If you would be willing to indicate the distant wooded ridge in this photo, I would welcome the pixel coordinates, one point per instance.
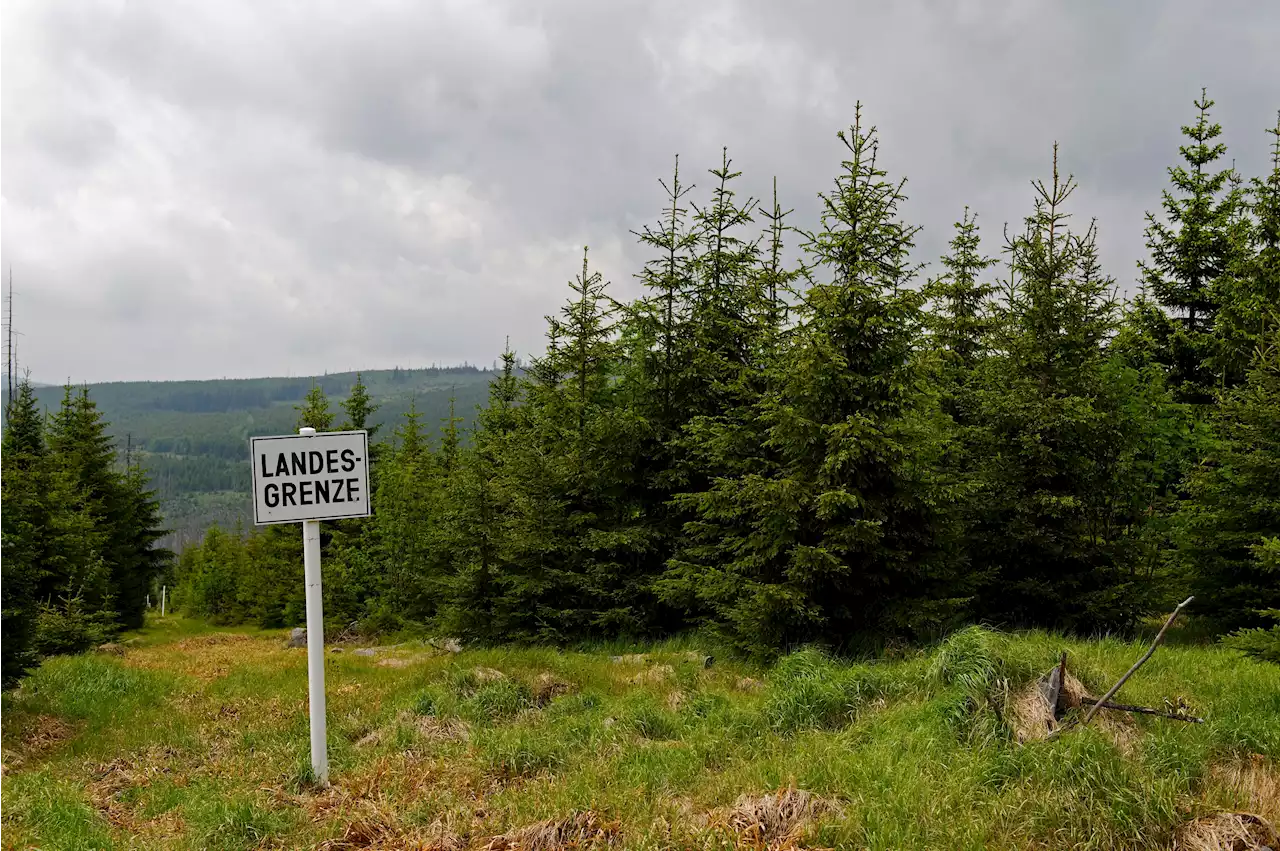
(192, 436)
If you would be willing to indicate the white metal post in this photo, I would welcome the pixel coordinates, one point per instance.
(315, 643)
(164, 598)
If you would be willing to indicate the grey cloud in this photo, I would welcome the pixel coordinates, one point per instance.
(269, 187)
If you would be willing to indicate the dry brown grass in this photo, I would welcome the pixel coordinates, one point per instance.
(487, 675)
(42, 734)
(547, 687)
(211, 657)
(1253, 783)
(1030, 715)
(373, 824)
(654, 675)
(429, 727)
(110, 781)
(45, 733)
(579, 830)
(1032, 719)
(778, 820)
(1227, 832)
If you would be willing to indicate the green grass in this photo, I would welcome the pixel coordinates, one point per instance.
(197, 737)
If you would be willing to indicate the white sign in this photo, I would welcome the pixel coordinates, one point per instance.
(321, 476)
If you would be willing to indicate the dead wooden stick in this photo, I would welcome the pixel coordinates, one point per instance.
(1062, 684)
(1136, 665)
(1124, 707)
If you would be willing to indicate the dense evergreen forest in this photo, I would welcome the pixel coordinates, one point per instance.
(80, 527)
(838, 450)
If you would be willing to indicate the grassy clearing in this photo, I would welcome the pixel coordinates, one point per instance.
(195, 738)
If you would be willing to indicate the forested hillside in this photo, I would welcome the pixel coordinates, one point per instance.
(843, 450)
(192, 437)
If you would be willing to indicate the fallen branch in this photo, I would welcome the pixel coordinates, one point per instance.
(1124, 707)
(1093, 710)
(1138, 664)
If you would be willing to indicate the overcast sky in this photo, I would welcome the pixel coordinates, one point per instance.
(224, 188)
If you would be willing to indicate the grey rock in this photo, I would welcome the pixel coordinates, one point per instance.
(366, 651)
(297, 637)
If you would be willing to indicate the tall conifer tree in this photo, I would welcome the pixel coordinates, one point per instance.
(1194, 248)
(834, 531)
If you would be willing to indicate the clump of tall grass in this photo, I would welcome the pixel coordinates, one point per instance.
(967, 669)
(234, 823)
(967, 658)
(495, 701)
(643, 714)
(94, 688)
(476, 695)
(519, 751)
(809, 690)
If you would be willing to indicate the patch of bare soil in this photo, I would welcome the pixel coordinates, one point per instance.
(580, 830)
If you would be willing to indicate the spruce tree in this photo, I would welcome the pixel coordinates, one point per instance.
(831, 531)
(407, 505)
(314, 411)
(123, 512)
(1193, 251)
(23, 515)
(450, 440)
(23, 428)
(721, 314)
(657, 322)
(1252, 289)
(344, 535)
(959, 321)
(1234, 505)
(1061, 439)
(141, 528)
(360, 408)
(476, 516)
(20, 572)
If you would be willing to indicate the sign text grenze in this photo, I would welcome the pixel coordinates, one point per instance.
(323, 476)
